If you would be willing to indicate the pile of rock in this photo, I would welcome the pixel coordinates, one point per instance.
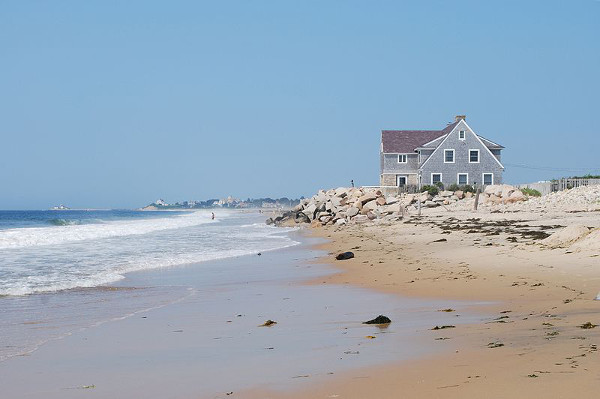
(586, 198)
(502, 194)
(341, 205)
(442, 198)
(359, 205)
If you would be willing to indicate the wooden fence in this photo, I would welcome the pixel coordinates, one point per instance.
(565, 184)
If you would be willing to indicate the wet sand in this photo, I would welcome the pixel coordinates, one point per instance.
(532, 345)
(209, 344)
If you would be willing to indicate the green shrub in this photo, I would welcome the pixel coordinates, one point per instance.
(432, 190)
(465, 188)
(440, 185)
(531, 192)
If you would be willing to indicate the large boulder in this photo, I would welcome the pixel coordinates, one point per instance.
(340, 222)
(367, 198)
(516, 196)
(321, 214)
(507, 190)
(446, 193)
(390, 200)
(309, 211)
(325, 218)
(424, 197)
(369, 206)
(341, 192)
(459, 194)
(491, 189)
(338, 201)
(301, 218)
(352, 211)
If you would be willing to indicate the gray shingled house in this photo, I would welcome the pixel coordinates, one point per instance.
(455, 154)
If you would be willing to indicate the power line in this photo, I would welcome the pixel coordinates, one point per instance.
(552, 169)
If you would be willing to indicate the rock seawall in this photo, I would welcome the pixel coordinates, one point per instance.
(362, 205)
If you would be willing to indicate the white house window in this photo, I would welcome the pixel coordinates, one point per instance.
(436, 178)
(400, 180)
(473, 156)
(461, 135)
(402, 158)
(488, 179)
(463, 178)
(448, 156)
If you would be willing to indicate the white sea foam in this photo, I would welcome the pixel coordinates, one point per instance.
(69, 232)
(47, 259)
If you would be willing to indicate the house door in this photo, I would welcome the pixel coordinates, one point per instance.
(401, 181)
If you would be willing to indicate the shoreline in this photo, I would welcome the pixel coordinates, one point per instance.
(532, 346)
(214, 332)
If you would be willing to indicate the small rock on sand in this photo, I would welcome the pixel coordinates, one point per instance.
(381, 319)
(345, 255)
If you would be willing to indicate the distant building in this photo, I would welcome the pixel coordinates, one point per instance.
(453, 155)
(161, 202)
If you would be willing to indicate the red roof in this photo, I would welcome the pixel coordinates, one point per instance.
(406, 141)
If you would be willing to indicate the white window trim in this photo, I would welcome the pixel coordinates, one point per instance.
(458, 178)
(441, 181)
(405, 158)
(453, 155)
(478, 155)
(483, 178)
(464, 132)
(405, 179)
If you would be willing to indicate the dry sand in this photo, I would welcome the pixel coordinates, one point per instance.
(533, 347)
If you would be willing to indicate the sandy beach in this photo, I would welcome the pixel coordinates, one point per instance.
(207, 340)
(533, 345)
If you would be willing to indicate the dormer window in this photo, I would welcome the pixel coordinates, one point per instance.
(402, 158)
(461, 135)
(448, 156)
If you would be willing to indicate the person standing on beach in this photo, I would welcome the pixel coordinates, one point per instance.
(212, 216)
(352, 182)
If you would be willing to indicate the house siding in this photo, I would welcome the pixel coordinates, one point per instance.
(391, 165)
(425, 154)
(487, 162)
(497, 154)
(389, 179)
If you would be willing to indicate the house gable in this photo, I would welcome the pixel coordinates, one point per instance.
(487, 162)
(462, 125)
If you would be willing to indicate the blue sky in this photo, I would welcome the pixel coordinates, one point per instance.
(115, 104)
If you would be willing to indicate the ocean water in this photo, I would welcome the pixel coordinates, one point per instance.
(49, 251)
(61, 270)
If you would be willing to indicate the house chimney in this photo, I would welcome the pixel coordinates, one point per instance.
(459, 118)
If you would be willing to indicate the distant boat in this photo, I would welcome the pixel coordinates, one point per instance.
(61, 207)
